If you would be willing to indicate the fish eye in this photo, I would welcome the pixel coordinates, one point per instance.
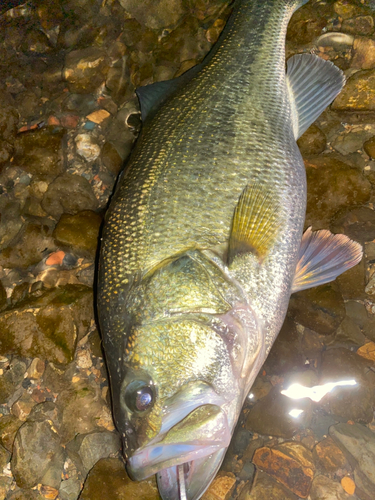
(139, 396)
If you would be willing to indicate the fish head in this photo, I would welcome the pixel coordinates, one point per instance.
(193, 349)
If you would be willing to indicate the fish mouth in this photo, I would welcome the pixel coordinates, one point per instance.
(203, 434)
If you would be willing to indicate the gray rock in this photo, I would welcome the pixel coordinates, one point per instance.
(357, 223)
(70, 489)
(70, 194)
(356, 311)
(38, 456)
(29, 248)
(365, 489)
(358, 443)
(94, 446)
(324, 488)
(11, 379)
(350, 142)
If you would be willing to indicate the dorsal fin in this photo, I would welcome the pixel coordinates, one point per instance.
(312, 84)
(322, 257)
(255, 222)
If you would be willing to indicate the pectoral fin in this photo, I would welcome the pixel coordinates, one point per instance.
(255, 223)
(312, 84)
(322, 257)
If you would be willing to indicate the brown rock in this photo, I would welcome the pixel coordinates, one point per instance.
(357, 223)
(329, 455)
(361, 25)
(86, 69)
(79, 231)
(266, 488)
(367, 351)
(320, 309)
(312, 142)
(358, 93)
(364, 53)
(332, 185)
(155, 14)
(369, 147)
(292, 474)
(221, 487)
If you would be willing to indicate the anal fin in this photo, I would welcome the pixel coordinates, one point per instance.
(255, 223)
(322, 257)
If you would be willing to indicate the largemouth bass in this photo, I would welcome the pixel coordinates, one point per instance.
(202, 245)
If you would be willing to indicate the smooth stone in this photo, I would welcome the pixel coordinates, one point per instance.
(22, 494)
(358, 93)
(345, 9)
(329, 456)
(291, 464)
(29, 248)
(95, 446)
(111, 159)
(156, 14)
(109, 475)
(357, 223)
(323, 488)
(270, 416)
(70, 194)
(36, 451)
(347, 402)
(369, 147)
(365, 489)
(312, 142)
(320, 309)
(40, 152)
(80, 231)
(332, 185)
(265, 488)
(86, 69)
(48, 326)
(358, 444)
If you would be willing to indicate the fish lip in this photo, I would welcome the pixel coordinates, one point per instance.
(183, 443)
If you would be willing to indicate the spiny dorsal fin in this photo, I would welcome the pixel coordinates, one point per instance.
(322, 257)
(312, 83)
(255, 223)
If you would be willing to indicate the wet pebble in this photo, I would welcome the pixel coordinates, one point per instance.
(79, 232)
(221, 487)
(156, 14)
(312, 142)
(87, 147)
(323, 488)
(363, 57)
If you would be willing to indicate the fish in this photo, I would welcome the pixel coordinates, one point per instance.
(203, 245)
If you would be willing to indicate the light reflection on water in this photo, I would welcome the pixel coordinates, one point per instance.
(316, 393)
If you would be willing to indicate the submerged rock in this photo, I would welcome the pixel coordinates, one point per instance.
(79, 231)
(324, 488)
(109, 475)
(358, 93)
(48, 326)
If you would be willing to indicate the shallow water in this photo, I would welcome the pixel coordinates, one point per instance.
(68, 119)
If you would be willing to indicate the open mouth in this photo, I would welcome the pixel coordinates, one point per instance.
(203, 432)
